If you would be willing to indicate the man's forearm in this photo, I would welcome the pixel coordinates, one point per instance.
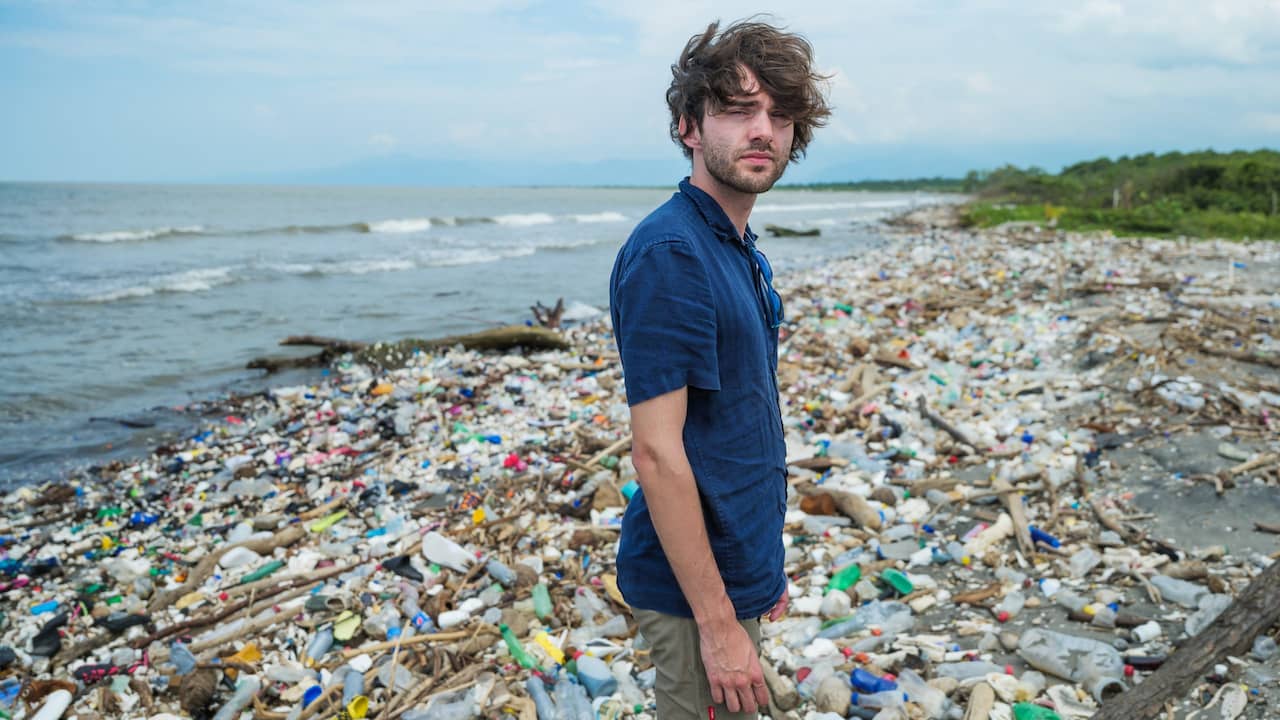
(672, 495)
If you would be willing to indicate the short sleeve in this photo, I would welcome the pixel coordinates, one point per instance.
(665, 322)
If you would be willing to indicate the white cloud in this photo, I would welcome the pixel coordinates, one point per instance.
(382, 142)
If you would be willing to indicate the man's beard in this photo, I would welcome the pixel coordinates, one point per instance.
(722, 165)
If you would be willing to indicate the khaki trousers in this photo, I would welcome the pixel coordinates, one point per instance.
(682, 690)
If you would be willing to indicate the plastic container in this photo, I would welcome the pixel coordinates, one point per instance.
(502, 574)
(865, 682)
(845, 577)
(541, 700)
(1094, 664)
(930, 699)
(55, 704)
(572, 700)
(517, 650)
(352, 685)
(237, 556)
(1186, 594)
(1211, 606)
(319, 645)
(245, 690)
(541, 601)
(1030, 711)
(594, 675)
(181, 658)
(443, 551)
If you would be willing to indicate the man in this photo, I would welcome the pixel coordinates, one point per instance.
(696, 320)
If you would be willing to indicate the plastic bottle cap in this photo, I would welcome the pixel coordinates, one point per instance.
(1003, 616)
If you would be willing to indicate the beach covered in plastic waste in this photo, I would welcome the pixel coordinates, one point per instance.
(1032, 475)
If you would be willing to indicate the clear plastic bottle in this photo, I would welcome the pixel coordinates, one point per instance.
(319, 645)
(181, 658)
(1211, 606)
(930, 699)
(547, 709)
(1010, 605)
(1186, 594)
(1094, 664)
(572, 700)
(245, 690)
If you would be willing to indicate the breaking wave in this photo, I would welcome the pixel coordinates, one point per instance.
(115, 236)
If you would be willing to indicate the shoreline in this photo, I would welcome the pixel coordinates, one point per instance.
(1072, 367)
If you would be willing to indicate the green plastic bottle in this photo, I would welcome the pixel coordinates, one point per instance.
(541, 601)
(262, 572)
(896, 580)
(1031, 711)
(517, 650)
(845, 577)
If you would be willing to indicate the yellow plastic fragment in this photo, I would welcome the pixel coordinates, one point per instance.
(325, 523)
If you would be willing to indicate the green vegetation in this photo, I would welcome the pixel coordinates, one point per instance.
(933, 184)
(1204, 194)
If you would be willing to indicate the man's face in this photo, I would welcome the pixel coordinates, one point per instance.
(745, 144)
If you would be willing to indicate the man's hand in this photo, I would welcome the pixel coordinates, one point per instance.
(733, 668)
(780, 608)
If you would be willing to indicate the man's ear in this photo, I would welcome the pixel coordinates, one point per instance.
(689, 133)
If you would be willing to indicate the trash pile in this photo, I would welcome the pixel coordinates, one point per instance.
(437, 540)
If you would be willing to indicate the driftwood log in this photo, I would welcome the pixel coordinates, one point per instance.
(780, 231)
(393, 355)
(1253, 612)
(548, 317)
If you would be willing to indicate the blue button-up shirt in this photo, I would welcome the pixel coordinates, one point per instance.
(690, 308)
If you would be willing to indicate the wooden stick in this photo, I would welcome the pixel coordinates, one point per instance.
(415, 640)
(209, 563)
(1260, 461)
(933, 417)
(615, 447)
(1017, 513)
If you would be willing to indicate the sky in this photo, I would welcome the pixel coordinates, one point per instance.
(511, 91)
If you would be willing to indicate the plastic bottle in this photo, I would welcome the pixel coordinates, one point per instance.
(594, 675)
(845, 577)
(1211, 606)
(181, 658)
(55, 704)
(352, 685)
(930, 699)
(818, 672)
(572, 700)
(44, 607)
(967, 669)
(541, 601)
(1264, 648)
(1094, 664)
(1186, 594)
(885, 699)
(501, 573)
(865, 682)
(1010, 606)
(517, 650)
(628, 690)
(890, 615)
(547, 709)
(237, 556)
(1031, 711)
(319, 645)
(245, 690)
(443, 551)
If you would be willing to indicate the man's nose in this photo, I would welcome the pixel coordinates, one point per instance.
(761, 127)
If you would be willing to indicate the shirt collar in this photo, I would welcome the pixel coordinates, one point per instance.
(714, 215)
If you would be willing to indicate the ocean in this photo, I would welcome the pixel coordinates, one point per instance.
(123, 308)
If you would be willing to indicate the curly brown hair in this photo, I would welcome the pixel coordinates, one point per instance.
(709, 74)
